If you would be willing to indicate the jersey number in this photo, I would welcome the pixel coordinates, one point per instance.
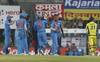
(20, 25)
(92, 27)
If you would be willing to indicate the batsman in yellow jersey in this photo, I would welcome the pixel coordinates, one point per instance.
(91, 29)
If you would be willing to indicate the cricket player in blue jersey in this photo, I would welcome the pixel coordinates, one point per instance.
(7, 32)
(39, 26)
(55, 31)
(21, 37)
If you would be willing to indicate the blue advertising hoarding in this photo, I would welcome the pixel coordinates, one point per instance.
(82, 4)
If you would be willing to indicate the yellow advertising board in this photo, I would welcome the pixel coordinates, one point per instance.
(84, 14)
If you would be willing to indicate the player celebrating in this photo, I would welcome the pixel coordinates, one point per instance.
(21, 37)
(55, 30)
(91, 28)
(39, 26)
(7, 31)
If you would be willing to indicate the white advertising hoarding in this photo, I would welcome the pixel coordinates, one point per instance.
(9, 10)
(74, 31)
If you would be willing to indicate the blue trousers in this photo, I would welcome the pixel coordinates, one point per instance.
(42, 40)
(6, 41)
(16, 36)
(54, 36)
(21, 41)
(75, 53)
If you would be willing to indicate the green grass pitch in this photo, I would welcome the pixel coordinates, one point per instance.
(11, 58)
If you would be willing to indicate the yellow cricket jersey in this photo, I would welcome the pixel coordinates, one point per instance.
(91, 28)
